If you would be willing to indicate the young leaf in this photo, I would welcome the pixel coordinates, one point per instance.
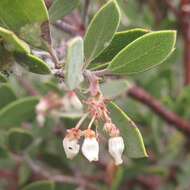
(12, 42)
(18, 111)
(61, 8)
(120, 40)
(2, 78)
(18, 139)
(132, 137)
(32, 63)
(75, 62)
(40, 185)
(101, 30)
(144, 53)
(114, 88)
(6, 95)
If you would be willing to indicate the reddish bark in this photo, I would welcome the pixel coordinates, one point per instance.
(184, 20)
(171, 118)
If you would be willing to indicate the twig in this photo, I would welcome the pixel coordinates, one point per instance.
(6, 174)
(69, 29)
(27, 86)
(170, 117)
(184, 20)
(145, 98)
(48, 3)
(172, 7)
(104, 72)
(37, 169)
(85, 11)
(54, 57)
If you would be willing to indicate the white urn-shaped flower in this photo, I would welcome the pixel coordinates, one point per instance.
(71, 147)
(116, 148)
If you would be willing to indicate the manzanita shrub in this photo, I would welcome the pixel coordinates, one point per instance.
(76, 101)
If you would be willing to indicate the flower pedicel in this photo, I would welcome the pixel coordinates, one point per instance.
(97, 110)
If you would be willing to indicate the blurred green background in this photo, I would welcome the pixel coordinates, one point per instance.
(168, 164)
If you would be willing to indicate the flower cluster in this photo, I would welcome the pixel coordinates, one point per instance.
(90, 148)
(52, 103)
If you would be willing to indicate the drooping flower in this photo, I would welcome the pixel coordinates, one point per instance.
(71, 147)
(47, 105)
(90, 147)
(116, 148)
(71, 144)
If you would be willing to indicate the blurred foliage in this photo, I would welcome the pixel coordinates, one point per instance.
(168, 164)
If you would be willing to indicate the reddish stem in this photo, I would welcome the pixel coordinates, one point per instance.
(185, 27)
(172, 118)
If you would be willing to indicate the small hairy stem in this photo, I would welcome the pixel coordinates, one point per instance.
(67, 28)
(155, 105)
(81, 120)
(104, 72)
(27, 86)
(85, 11)
(91, 122)
(93, 79)
(54, 57)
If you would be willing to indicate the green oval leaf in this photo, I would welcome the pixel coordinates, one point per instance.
(61, 8)
(114, 88)
(132, 137)
(18, 111)
(120, 40)
(32, 63)
(16, 14)
(12, 42)
(101, 30)
(28, 19)
(6, 95)
(75, 62)
(40, 185)
(144, 53)
(18, 139)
